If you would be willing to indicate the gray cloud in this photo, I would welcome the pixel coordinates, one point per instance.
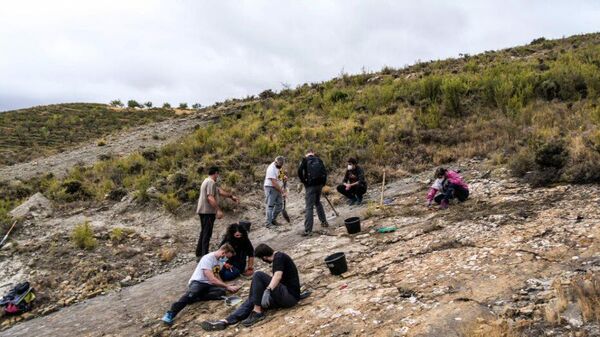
(200, 51)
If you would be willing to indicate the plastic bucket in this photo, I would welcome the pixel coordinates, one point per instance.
(337, 263)
(246, 225)
(352, 225)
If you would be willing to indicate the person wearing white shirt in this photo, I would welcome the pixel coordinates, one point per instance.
(274, 191)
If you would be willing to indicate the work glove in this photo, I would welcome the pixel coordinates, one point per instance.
(266, 299)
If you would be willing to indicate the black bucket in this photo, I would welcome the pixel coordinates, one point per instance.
(337, 263)
(352, 225)
(246, 225)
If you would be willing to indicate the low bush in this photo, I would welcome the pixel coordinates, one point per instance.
(83, 236)
(116, 234)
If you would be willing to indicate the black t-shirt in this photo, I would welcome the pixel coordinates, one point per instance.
(243, 250)
(282, 262)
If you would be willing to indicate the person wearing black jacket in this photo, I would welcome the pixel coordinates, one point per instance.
(282, 290)
(243, 261)
(354, 185)
(313, 175)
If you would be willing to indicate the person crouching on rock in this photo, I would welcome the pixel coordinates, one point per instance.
(266, 292)
(243, 261)
(354, 185)
(450, 185)
(204, 285)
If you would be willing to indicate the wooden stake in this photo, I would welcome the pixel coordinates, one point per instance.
(382, 188)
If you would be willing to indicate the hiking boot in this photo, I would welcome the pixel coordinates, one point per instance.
(351, 201)
(444, 204)
(168, 318)
(213, 325)
(306, 233)
(324, 224)
(253, 318)
(275, 223)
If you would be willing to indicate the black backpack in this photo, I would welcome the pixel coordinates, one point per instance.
(316, 173)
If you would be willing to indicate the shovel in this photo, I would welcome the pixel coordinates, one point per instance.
(331, 205)
(7, 233)
(284, 212)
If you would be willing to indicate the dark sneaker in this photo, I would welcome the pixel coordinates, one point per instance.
(275, 223)
(213, 325)
(324, 224)
(306, 233)
(253, 318)
(168, 318)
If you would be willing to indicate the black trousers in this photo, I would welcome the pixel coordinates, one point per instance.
(451, 192)
(355, 192)
(280, 297)
(207, 221)
(197, 291)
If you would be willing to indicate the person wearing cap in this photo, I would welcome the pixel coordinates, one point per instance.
(274, 191)
(354, 185)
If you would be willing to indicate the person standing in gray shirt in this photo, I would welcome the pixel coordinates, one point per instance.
(208, 209)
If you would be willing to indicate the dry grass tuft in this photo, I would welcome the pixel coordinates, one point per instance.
(167, 254)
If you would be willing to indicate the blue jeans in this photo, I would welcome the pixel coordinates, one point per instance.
(229, 274)
(274, 202)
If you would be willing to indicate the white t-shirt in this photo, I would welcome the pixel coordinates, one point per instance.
(272, 172)
(207, 262)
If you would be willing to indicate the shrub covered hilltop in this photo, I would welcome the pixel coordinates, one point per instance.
(533, 107)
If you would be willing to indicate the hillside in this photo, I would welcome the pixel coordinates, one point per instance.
(517, 259)
(43, 130)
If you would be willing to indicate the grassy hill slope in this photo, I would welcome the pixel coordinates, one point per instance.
(533, 107)
(43, 130)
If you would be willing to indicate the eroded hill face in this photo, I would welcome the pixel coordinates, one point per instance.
(511, 257)
(40, 131)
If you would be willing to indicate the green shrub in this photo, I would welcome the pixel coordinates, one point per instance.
(521, 163)
(83, 236)
(183, 105)
(148, 104)
(133, 104)
(166, 105)
(453, 89)
(552, 154)
(116, 234)
(170, 202)
(116, 103)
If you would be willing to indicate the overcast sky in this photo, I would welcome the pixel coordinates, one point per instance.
(206, 51)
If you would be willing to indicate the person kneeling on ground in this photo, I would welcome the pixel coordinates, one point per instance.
(204, 285)
(450, 185)
(266, 292)
(243, 261)
(354, 185)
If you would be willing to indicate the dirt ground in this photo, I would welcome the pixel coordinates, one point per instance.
(494, 257)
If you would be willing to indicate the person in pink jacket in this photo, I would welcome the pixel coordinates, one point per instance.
(450, 185)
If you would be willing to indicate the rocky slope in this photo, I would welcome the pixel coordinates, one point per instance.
(511, 259)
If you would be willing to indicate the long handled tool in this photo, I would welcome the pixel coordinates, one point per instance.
(330, 204)
(6, 236)
(284, 212)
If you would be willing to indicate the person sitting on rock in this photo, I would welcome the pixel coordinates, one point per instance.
(243, 261)
(204, 285)
(354, 185)
(266, 292)
(450, 185)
